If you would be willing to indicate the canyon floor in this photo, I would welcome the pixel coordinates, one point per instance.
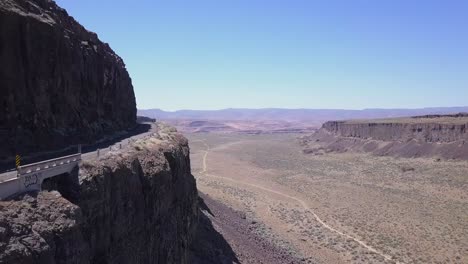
(271, 199)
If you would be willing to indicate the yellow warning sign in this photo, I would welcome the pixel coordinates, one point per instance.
(18, 161)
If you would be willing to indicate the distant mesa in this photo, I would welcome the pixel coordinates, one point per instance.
(440, 136)
(442, 116)
(273, 120)
(60, 84)
(202, 123)
(318, 116)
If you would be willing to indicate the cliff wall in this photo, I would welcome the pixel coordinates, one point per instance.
(137, 205)
(426, 132)
(59, 84)
(431, 136)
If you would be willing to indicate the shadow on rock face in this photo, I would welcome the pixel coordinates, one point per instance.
(209, 246)
(202, 205)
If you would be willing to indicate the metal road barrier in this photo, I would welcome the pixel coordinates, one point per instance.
(30, 177)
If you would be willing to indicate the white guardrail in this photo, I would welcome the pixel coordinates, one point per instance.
(30, 177)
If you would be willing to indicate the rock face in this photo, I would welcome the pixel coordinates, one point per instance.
(137, 205)
(425, 132)
(59, 84)
(425, 136)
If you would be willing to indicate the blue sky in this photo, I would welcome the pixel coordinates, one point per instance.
(213, 54)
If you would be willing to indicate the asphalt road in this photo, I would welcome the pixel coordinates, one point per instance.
(91, 152)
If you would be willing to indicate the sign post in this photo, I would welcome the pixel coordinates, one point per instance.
(18, 161)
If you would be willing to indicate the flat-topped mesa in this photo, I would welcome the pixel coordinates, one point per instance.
(60, 84)
(443, 136)
(441, 116)
(427, 129)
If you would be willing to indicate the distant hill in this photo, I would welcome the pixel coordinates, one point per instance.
(294, 115)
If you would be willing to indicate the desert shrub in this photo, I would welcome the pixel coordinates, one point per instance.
(86, 165)
(407, 168)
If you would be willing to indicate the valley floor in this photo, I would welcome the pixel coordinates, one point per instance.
(332, 208)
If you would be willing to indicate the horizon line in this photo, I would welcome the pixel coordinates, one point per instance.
(285, 108)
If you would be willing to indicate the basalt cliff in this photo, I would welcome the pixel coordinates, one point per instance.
(439, 136)
(136, 205)
(59, 84)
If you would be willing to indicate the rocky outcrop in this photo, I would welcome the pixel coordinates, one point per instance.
(388, 131)
(429, 136)
(137, 205)
(59, 84)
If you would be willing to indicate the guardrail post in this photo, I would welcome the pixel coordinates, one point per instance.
(120, 145)
(79, 148)
(18, 161)
(98, 152)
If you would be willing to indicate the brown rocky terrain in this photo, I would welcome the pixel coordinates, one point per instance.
(336, 207)
(234, 240)
(59, 84)
(136, 205)
(436, 136)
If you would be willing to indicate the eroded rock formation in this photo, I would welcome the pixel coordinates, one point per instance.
(59, 84)
(137, 205)
(396, 131)
(427, 136)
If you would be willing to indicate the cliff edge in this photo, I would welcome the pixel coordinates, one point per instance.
(440, 136)
(136, 205)
(59, 84)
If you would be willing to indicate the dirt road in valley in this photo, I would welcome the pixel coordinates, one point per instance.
(298, 200)
(293, 217)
